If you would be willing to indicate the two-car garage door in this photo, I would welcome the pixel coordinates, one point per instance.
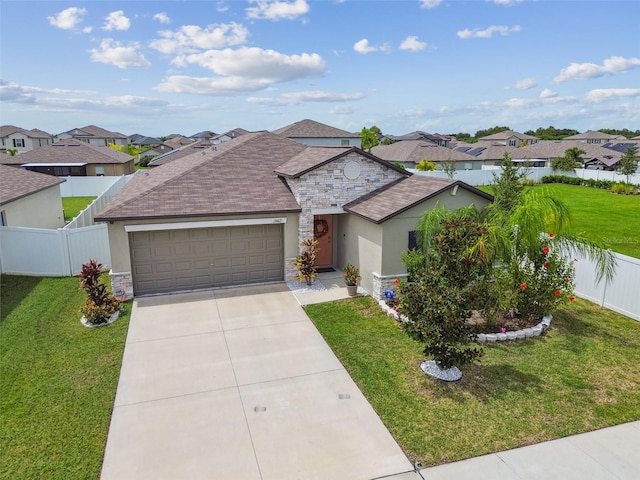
(189, 259)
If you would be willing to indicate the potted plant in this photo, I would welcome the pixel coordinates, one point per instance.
(351, 278)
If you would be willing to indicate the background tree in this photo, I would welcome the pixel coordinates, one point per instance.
(449, 167)
(628, 164)
(369, 138)
(12, 152)
(425, 165)
(572, 159)
(491, 131)
(507, 187)
(552, 133)
(625, 132)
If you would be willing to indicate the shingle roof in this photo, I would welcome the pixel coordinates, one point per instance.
(314, 157)
(395, 198)
(178, 141)
(590, 134)
(183, 151)
(6, 130)
(416, 151)
(312, 129)
(550, 149)
(505, 135)
(93, 131)
(237, 178)
(69, 151)
(16, 183)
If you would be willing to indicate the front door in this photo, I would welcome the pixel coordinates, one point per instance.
(323, 233)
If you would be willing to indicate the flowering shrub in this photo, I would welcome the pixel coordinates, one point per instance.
(537, 284)
(351, 275)
(100, 304)
(306, 261)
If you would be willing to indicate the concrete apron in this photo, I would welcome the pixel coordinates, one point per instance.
(238, 384)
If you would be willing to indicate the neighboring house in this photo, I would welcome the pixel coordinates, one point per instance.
(30, 199)
(592, 136)
(230, 135)
(237, 215)
(177, 141)
(183, 151)
(411, 152)
(310, 132)
(138, 140)
(204, 135)
(73, 158)
(436, 138)
(548, 150)
(509, 138)
(157, 150)
(16, 138)
(95, 136)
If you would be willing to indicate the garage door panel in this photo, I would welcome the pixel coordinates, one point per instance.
(165, 261)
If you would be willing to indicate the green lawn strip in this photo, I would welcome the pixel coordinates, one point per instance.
(600, 215)
(74, 205)
(582, 375)
(58, 380)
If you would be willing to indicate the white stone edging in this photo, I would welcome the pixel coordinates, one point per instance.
(114, 316)
(535, 331)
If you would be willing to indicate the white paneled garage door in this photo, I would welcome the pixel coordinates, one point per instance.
(189, 259)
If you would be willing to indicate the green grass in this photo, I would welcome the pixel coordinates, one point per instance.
(58, 380)
(74, 205)
(600, 215)
(582, 375)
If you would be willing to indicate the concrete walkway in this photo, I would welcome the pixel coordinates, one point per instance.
(238, 384)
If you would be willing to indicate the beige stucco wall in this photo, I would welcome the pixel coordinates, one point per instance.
(119, 238)
(39, 210)
(359, 242)
(112, 169)
(396, 230)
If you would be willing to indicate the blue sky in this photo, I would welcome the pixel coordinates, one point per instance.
(161, 67)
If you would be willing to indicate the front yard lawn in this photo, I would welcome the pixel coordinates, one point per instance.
(581, 376)
(58, 380)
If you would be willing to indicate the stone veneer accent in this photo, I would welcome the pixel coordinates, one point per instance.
(122, 284)
(290, 270)
(381, 283)
(326, 187)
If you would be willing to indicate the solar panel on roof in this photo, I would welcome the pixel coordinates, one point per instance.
(476, 151)
(462, 149)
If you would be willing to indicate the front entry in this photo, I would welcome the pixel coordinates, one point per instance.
(323, 233)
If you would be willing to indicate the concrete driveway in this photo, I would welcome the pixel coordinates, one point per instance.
(238, 384)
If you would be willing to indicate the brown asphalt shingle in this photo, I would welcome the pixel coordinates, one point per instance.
(417, 150)
(95, 132)
(16, 183)
(69, 151)
(312, 129)
(237, 178)
(395, 198)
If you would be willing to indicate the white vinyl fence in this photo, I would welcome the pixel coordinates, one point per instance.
(622, 295)
(86, 186)
(485, 176)
(61, 252)
(52, 253)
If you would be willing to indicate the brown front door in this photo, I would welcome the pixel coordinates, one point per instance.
(323, 233)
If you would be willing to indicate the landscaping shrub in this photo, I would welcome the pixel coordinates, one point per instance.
(306, 261)
(624, 189)
(100, 304)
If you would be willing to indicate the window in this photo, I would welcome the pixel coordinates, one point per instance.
(413, 240)
(18, 142)
(468, 166)
(100, 171)
(3, 218)
(344, 143)
(512, 142)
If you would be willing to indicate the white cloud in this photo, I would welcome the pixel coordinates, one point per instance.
(116, 21)
(268, 66)
(68, 19)
(412, 43)
(582, 71)
(162, 17)
(430, 3)
(525, 84)
(192, 37)
(114, 53)
(277, 10)
(604, 94)
(546, 94)
(488, 32)
(363, 47)
(295, 98)
(242, 70)
(506, 3)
